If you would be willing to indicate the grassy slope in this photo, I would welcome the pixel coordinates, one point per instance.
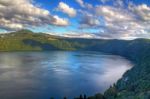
(135, 84)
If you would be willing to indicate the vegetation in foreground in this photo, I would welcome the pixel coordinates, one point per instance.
(135, 83)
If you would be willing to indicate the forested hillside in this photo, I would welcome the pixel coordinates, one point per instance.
(135, 83)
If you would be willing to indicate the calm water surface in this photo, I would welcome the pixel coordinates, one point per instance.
(40, 75)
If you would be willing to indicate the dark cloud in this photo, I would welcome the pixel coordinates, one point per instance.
(88, 20)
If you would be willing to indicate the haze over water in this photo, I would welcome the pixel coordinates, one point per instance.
(41, 75)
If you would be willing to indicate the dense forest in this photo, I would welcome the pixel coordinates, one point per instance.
(135, 83)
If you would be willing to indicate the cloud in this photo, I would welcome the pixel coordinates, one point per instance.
(60, 22)
(19, 14)
(80, 2)
(115, 21)
(142, 11)
(115, 2)
(104, 1)
(66, 9)
(84, 5)
(119, 3)
(88, 20)
(124, 23)
(112, 13)
(121, 19)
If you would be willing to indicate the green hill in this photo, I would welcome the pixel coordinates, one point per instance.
(26, 40)
(135, 83)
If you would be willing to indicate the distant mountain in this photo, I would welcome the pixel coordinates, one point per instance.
(135, 83)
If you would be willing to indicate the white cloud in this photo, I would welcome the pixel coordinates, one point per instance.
(123, 23)
(84, 4)
(80, 2)
(18, 14)
(115, 2)
(66, 9)
(113, 14)
(119, 3)
(60, 22)
(142, 11)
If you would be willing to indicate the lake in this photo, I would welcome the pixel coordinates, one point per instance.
(41, 75)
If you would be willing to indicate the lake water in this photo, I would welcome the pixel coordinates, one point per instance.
(41, 75)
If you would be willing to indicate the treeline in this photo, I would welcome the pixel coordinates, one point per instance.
(84, 96)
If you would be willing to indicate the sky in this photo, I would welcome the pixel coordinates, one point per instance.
(109, 19)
